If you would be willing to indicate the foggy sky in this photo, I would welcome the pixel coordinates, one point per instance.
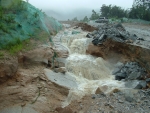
(64, 8)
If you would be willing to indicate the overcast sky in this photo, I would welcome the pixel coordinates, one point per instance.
(69, 6)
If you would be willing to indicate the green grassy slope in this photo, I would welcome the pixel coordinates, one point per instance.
(20, 21)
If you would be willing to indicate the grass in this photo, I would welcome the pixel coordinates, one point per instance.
(17, 46)
(15, 49)
(1, 55)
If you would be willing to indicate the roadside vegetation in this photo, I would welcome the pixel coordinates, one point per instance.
(137, 13)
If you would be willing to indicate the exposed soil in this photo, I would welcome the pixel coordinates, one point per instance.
(86, 27)
(31, 87)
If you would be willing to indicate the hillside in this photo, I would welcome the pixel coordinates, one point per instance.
(21, 21)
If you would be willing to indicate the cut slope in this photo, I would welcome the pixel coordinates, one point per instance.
(21, 20)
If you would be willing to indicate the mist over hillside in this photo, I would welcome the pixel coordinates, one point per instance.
(65, 15)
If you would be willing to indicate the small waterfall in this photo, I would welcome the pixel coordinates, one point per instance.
(90, 72)
(88, 67)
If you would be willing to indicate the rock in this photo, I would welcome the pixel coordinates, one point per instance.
(98, 91)
(135, 84)
(116, 71)
(89, 35)
(114, 32)
(119, 65)
(133, 37)
(94, 96)
(128, 98)
(143, 83)
(94, 32)
(134, 75)
(95, 41)
(64, 80)
(61, 52)
(115, 90)
(61, 70)
(120, 76)
(7, 71)
(148, 80)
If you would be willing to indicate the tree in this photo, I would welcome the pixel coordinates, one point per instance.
(140, 12)
(113, 11)
(85, 19)
(105, 10)
(94, 15)
(75, 19)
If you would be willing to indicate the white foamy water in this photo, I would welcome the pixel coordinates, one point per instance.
(88, 67)
(90, 72)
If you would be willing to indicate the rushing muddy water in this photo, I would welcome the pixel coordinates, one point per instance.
(90, 72)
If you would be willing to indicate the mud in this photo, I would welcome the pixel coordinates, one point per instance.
(86, 27)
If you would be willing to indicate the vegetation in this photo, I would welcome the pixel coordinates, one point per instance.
(115, 12)
(75, 19)
(1, 55)
(16, 46)
(94, 15)
(140, 12)
(85, 19)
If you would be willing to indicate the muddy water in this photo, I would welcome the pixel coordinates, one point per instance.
(90, 72)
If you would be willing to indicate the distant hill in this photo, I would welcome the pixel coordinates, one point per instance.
(79, 13)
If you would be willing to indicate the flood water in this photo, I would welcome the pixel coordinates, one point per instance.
(90, 72)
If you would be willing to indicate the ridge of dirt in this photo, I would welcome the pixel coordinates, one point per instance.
(86, 27)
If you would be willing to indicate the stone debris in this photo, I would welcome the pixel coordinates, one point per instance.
(129, 71)
(132, 73)
(115, 32)
(124, 101)
(127, 101)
